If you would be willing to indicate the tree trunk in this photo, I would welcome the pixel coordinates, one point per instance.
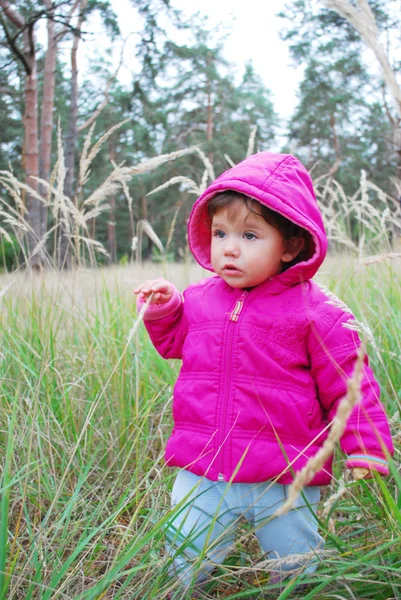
(65, 258)
(27, 56)
(336, 145)
(34, 206)
(209, 129)
(46, 125)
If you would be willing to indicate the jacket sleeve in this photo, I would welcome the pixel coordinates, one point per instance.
(165, 324)
(333, 353)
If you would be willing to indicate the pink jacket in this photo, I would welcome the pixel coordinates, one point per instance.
(263, 371)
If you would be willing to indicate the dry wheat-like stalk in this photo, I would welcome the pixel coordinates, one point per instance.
(229, 160)
(88, 156)
(59, 198)
(362, 18)
(15, 193)
(203, 184)
(5, 289)
(15, 223)
(144, 226)
(192, 188)
(281, 564)
(121, 174)
(379, 258)
(353, 324)
(156, 161)
(139, 319)
(339, 493)
(376, 212)
(333, 300)
(172, 226)
(337, 428)
(251, 141)
(8, 177)
(108, 188)
(5, 233)
(207, 163)
(91, 243)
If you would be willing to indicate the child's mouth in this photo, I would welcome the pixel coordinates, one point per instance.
(231, 270)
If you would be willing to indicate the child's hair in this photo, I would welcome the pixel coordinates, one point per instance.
(287, 228)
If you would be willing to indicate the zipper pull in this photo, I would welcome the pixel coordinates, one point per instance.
(237, 311)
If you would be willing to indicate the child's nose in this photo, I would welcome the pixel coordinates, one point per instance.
(231, 248)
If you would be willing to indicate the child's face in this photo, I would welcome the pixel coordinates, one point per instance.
(246, 250)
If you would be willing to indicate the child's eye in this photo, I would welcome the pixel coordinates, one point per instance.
(218, 233)
(249, 236)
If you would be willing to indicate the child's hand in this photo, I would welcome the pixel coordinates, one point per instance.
(360, 473)
(161, 289)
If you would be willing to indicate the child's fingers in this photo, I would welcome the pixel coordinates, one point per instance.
(161, 290)
(360, 473)
(146, 286)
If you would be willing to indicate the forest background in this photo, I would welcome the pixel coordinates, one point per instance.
(183, 93)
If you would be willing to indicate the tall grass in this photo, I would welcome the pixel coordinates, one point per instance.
(84, 490)
(85, 412)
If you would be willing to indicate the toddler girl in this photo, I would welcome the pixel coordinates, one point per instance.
(265, 360)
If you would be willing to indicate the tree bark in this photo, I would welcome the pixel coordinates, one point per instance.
(65, 257)
(209, 128)
(34, 206)
(27, 56)
(46, 126)
(336, 145)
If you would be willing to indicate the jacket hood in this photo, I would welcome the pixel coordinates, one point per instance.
(280, 182)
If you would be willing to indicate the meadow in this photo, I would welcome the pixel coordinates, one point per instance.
(85, 411)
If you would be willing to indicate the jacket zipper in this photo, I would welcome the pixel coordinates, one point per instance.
(233, 318)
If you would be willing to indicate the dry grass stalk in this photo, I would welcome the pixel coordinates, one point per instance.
(251, 142)
(333, 300)
(121, 174)
(61, 173)
(341, 491)
(5, 233)
(203, 184)
(91, 243)
(5, 289)
(277, 564)
(150, 232)
(207, 163)
(15, 223)
(229, 160)
(375, 212)
(14, 192)
(192, 188)
(88, 155)
(156, 161)
(379, 258)
(337, 428)
(362, 18)
(7, 178)
(144, 226)
(139, 319)
(172, 226)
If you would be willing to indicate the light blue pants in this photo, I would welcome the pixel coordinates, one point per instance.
(206, 515)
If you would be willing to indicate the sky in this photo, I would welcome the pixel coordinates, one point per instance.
(253, 33)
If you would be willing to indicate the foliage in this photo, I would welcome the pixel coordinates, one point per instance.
(184, 93)
(341, 123)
